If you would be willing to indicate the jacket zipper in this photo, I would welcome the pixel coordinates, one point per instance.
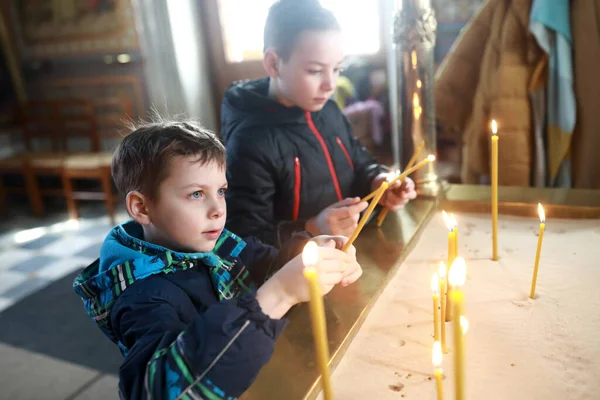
(334, 177)
(297, 183)
(339, 142)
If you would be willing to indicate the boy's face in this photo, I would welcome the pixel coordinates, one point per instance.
(310, 76)
(189, 212)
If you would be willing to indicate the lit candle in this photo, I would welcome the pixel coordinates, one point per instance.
(456, 279)
(430, 158)
(436, 358)
(435, 287)
(455, 230)
(539, 249)
(451, 257)
(442, 274)
(410, 164)
(366, 215)
(310, 256)
(494, 190)
(381, 217)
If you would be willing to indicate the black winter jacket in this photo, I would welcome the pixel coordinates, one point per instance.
(284, 164)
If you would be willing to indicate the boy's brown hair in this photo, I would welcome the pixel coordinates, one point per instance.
(142, 159)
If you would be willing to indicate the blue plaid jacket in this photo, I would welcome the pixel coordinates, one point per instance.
(188, 324)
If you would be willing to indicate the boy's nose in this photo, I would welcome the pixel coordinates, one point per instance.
(217, 209)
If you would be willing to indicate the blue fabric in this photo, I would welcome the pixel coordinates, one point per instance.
(550, 25)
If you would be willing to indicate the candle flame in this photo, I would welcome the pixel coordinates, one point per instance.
(447, 220)
(454, 224)
(442, 271)
(435, 283)
(310, 254)
(464, 324)
(431, 158)
(458, 272)
(541, 213)
(415, 100)
(436, 356)
(413, 58)
(419, 84)
(494, 127)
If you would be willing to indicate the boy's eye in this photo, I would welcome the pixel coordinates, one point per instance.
(314, 71)
(338, 70)
(196, 195)
(222, 191)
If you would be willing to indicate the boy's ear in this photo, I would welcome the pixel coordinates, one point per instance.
(137, 206)
(271, 63)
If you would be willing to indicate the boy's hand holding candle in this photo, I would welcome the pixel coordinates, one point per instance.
(398, 194)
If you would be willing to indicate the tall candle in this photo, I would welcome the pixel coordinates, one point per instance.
(494, 190)
(436, 358)
(442, 274)
(381, 217)
(539, 250)
(455, 230)
(456, 279)
(310, 256)
(366, 215)
(451, 257)
(435, 287)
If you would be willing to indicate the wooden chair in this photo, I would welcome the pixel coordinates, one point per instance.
(110, 114)
(44, 144)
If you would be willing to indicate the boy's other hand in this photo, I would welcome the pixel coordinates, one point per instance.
(340, 218)
(398, 194)
(289, 287)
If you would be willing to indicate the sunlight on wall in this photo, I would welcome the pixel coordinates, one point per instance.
(359, 20)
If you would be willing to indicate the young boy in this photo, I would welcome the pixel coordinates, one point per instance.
(175, 290)
(293, 163)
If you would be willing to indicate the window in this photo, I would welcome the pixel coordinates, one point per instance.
(359, 20)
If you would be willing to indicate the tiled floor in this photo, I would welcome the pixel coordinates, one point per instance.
(35, 256)
(49, 348)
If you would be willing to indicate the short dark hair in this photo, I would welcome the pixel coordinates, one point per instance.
(143, 158)
(287, 19)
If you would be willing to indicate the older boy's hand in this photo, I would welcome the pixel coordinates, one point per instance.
(340, 218)
(398, 194)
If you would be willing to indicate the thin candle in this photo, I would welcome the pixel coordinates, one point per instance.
(381, 217)
(410, 164)
(456, 278)
(366, 215)
(455, 230)
(494, 190)
(435, 287)
(310, 256)
(436, 358)
(430, 158)
(539, 249)
(451, 257)
(442, 275)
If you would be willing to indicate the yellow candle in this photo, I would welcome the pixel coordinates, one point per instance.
(436, 358)
(442, 274)
(384, 212)
(310, 257)
(539, 250)
(451, 257)
(365, 217)
(455, 230)
(410, 164)
(494, 190)
(430, 158)
(456, 279)
(435, 287)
